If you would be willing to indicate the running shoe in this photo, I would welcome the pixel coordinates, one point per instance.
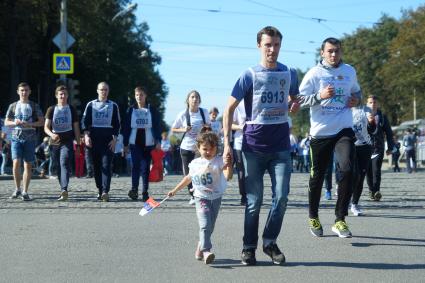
(208, 257)
(16, 194)
(25, 196)
(248, 257)
(198, 254)
(316, 228)
(133, 194)
(328, 195)
(355, 209)
(341, 229)
(274, 253)
(192, 201)
(377, 196)
(104, 197)
(63, 196)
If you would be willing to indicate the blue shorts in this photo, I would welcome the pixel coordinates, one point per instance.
(23, 149)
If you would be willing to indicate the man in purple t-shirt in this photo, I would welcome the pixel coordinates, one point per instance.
(268, 90)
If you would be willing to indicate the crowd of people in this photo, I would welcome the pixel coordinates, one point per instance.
(254, 136)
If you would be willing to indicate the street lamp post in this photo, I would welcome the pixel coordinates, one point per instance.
(415, 63)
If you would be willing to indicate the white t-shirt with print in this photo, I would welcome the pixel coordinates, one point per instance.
(207, 176)
(189, 140)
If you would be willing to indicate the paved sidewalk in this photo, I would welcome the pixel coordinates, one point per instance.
(84, 240)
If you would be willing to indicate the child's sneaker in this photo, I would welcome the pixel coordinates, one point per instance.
(208, 257)
(198, 254)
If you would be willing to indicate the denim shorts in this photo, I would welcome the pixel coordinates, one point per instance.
(23, 149)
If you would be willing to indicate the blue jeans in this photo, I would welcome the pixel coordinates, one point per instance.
(141, 162)
(207, 212)
(23, 149)
(60, 155)
(279, 166)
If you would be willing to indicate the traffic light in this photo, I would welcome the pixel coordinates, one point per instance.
(74, 99)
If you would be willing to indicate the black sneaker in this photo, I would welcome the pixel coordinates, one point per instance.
(248, 257)
(145, 196)
(243, 200)
(25, 196)
(276, 255)
(377, 196)
(133, 194)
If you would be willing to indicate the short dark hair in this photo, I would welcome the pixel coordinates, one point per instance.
(371, 96)
(23, 84)
(270, 31)
(214, 110)
(142, 89)
(331, 40)
(60, 88)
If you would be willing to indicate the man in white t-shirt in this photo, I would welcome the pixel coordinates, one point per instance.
(330, 89)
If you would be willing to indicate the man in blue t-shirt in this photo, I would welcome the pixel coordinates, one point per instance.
(268, 91)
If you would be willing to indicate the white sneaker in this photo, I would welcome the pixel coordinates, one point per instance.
(355, 209)
(192, 201)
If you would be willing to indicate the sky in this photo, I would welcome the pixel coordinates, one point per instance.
(206, 45)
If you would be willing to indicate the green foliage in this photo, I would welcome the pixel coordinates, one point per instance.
(386, 58)
(104, 50)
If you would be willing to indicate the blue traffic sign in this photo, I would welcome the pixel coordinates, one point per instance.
(63, 63)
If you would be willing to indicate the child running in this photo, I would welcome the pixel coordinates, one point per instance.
(208, 175)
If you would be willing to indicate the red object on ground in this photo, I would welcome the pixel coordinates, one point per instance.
(157, 168)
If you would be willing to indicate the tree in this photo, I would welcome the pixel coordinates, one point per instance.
(367, 50)
(404, 72)
(105, 50)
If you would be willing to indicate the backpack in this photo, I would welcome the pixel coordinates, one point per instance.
(187, 114)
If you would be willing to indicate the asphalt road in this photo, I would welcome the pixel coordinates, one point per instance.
(84, 240)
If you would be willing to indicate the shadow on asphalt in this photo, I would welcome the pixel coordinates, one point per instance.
(394, 216)
(232, 263)
(363, 265)
(418, 241)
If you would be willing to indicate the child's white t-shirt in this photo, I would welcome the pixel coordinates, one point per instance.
(207, 177)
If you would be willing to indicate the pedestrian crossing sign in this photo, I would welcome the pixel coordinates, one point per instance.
(63, 63)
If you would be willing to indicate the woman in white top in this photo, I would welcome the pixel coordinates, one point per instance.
(189, 122)
(238, 124)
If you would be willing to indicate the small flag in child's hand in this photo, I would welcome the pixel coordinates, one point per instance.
(149, 205)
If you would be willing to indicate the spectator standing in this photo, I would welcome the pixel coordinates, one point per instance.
(409, 143)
